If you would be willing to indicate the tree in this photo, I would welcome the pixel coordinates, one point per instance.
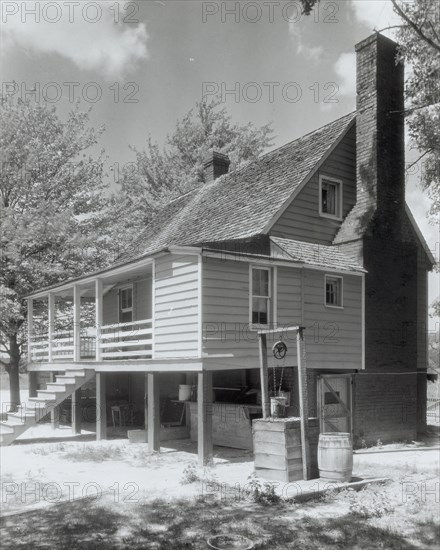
(159, 174)
(50, 194)
(419, 39)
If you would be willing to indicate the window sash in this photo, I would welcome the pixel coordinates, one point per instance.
(126, 299)
(329, 198)
(260, 296)
(126, 305)
(333, 288)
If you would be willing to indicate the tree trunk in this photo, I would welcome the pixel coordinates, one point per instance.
(12, 370)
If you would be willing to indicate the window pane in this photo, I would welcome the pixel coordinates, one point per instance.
(126, 298)
(256, 282)
(264, 282)
(260, 311)
(328, 198)
(333, 292)
(260, 282)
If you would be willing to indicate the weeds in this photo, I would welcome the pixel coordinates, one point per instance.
(263, 492)
(370, 502)
(190, 474)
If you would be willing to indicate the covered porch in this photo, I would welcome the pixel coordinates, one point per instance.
(104, 318)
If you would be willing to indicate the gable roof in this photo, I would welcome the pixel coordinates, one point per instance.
(242, 203)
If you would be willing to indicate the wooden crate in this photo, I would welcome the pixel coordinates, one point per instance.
(277, 448)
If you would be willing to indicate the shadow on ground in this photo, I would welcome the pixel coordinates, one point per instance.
(186, 524)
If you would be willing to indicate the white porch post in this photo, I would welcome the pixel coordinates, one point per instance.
(32, 376)
(51, 323)
(99, 316)
(76, 324)
(30, 327)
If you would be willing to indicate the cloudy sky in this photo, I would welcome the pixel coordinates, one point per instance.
(144, 64)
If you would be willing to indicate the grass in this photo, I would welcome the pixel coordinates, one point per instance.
(187, 523)
(383, 516)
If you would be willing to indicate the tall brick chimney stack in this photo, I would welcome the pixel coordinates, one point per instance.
(215, 165)
(380, 140)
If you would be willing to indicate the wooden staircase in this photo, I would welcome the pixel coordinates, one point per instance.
(38, 407)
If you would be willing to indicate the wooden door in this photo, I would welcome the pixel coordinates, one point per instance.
(334, 402)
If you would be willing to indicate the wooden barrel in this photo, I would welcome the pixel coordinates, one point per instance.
(335, 456)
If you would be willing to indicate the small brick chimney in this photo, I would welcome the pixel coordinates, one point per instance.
(380, 140)
(215, 165)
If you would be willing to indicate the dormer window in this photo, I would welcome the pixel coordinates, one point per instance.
(330, 198)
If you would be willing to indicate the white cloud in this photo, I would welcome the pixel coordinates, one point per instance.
(375, 14)
(311, 53)
(93, 40)
(345, 68)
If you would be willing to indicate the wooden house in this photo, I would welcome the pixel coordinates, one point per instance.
(315, 233)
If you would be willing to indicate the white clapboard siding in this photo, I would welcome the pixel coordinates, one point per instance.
(333, 335)
(226, 309)
(301, 220)
(176, 305)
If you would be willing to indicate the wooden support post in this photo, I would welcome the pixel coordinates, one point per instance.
(153, 419)
(101, 406)
(264, 376)
(204, 418)
(54, 412)
(76, 324)
(303, 403)
(51, 323)
(30, 335)
(76, 412)
(32, 377)
(99, 316)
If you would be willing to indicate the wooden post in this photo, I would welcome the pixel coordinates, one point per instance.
(153, 418)
(303, 404)
(30, 319)
(51, 323)
(76, 412)
(204, 418)
(76, 324)
(264, 376)
(99, 316)
(101, 407)
(54, 412)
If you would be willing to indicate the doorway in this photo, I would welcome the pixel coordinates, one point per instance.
(335, 402)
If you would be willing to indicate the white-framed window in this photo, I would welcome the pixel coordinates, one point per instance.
(330, 197)
(333, 291)
(126, 304)
(260, 295)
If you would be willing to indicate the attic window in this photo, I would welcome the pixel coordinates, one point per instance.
(330, 198)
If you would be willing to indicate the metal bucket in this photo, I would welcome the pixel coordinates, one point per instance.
(230, 542)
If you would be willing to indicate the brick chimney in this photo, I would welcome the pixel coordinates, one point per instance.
(380, 140)
(215, 165)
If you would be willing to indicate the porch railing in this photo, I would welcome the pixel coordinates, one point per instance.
(117, 341)
(62, 347)
(126, 340)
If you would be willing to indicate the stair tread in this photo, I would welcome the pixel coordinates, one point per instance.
(31, 412)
